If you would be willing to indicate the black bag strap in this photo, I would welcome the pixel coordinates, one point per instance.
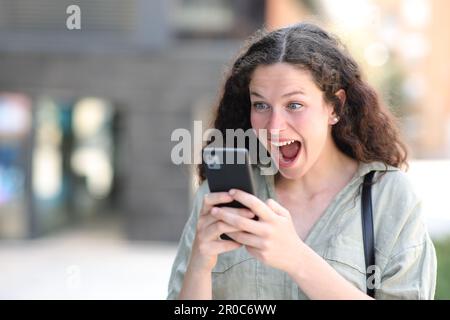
(367, 228)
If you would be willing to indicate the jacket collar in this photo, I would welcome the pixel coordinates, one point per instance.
(365, 168)
(362, 170)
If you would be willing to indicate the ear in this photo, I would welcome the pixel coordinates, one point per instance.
(340, 94)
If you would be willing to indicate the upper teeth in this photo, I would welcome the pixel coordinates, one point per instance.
(280, 144)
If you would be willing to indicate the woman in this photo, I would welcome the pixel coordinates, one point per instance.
(327, 130)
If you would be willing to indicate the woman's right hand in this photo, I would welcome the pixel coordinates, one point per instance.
(207, 243)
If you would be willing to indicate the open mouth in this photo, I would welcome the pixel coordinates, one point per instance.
(288, 151)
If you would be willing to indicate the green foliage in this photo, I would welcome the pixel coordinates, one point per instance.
(443, 269)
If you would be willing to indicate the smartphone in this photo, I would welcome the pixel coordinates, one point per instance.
(228, 168)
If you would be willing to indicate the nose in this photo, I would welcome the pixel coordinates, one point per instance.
(277, 122)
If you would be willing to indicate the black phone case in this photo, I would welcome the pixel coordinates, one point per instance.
(224, 176)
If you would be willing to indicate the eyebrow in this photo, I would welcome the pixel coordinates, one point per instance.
(256, 94)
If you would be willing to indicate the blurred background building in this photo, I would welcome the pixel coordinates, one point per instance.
(86, 115)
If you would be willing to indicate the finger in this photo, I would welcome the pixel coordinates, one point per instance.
(246, 239)
(278, 208)
(220, 246)
(214, 198)
(206, 220)
(235, 220)
(243, 212)
(253, 203)
(214, 231)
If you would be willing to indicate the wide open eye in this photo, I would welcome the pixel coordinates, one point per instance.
(294, 106)
(260, 106)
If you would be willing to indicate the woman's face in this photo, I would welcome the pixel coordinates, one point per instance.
(287, 103)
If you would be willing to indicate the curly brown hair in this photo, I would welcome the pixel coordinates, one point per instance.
(366, 131)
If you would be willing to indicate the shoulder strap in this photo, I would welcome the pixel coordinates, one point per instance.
(367, 227)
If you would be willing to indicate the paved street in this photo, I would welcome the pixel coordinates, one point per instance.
(84, 264)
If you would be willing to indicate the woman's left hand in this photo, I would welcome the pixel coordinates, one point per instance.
(272, 239)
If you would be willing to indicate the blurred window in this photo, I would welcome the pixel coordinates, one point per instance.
(216, 18)
(15, 126)
(40, 25)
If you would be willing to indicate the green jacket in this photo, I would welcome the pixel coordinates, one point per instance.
(404, 252)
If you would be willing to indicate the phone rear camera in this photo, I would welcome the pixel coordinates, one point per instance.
(213, 161)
